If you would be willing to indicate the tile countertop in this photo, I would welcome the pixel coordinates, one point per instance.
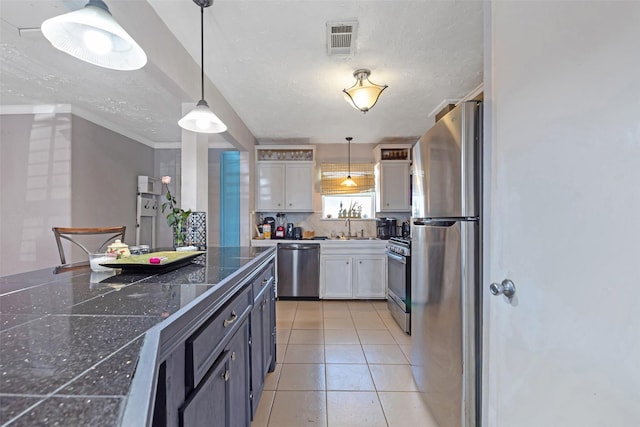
(69, 342)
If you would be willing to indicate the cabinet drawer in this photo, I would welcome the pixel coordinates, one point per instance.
(263, 279)
(204, 346)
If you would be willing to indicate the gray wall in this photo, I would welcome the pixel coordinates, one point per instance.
(61, 170)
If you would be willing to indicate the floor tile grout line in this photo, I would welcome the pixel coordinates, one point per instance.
(323, 330)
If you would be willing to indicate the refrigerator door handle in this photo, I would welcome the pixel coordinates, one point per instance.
(430, 222)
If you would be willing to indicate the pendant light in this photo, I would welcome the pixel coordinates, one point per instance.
(363, 95)
(349, 182)
(92, 35)
(201, 119)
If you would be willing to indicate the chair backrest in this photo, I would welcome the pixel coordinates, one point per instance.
(70, 234)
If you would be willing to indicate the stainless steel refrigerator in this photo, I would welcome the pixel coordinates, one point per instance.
(445, 266)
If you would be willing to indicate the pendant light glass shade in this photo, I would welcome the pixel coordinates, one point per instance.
(202, 119)
(363, 95)
(92, 35)
(349, 182)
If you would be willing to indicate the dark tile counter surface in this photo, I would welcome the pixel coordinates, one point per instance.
(70, 341)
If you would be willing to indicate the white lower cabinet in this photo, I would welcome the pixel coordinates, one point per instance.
(369, 278)
(353, 276)
(338, 276)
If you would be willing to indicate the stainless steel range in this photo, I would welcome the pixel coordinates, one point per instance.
(399, 281)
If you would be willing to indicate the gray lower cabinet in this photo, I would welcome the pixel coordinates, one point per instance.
(262, 341)
(221, 398)
(215, 375)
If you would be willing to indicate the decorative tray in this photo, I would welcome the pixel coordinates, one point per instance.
(163, 261)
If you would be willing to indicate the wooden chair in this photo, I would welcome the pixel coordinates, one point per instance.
(70, 234)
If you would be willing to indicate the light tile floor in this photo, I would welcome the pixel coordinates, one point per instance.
(340, 364)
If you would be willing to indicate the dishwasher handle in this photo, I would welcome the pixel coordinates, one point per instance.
(298, 246)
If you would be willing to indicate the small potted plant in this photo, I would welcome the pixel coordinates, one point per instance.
(176, 217)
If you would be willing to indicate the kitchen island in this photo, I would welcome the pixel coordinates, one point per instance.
(84, 348)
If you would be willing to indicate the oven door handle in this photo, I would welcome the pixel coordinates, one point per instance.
(396, 257)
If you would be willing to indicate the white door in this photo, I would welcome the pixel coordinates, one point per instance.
(562, 207)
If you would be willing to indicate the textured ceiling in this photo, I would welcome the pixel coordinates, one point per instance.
(268, 58)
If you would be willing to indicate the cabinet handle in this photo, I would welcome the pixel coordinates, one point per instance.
(233, 318)
(360, 262)
(225, 375)
(290, 204)
(265, 281)
(347, 262)
(233, 355)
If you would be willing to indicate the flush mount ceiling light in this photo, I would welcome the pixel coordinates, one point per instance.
(92, 35)
(349, 182)
(201, 119)
(363, 95)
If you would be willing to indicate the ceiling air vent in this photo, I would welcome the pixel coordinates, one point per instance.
(341, 37)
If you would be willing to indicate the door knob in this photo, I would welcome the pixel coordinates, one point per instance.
(506, 288)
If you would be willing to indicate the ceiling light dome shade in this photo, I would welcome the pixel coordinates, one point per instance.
(92, 35)
(201, 119)
(363, 95)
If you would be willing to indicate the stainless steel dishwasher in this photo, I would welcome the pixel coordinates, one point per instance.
(298, 270)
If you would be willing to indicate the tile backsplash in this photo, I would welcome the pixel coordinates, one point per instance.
(327, 227)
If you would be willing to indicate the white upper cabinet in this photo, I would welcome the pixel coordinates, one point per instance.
(284, 178)
(393, 178)
(298, 187)
(270, 182)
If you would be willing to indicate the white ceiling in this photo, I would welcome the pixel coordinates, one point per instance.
(268, 58)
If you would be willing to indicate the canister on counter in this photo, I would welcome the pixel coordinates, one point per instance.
(266, 231)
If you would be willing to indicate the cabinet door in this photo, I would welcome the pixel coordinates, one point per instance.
(370, 276)
(207, 405)
(266, 333)
(394, 187)
(337, 276)
(261, 344)
(257, 355)
(270, 179)
(271, 304)
(299, 187)
(238, 405)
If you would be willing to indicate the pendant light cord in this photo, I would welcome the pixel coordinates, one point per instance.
(349, 154)
(202, 51)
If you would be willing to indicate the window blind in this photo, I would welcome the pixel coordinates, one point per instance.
(332, 175)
